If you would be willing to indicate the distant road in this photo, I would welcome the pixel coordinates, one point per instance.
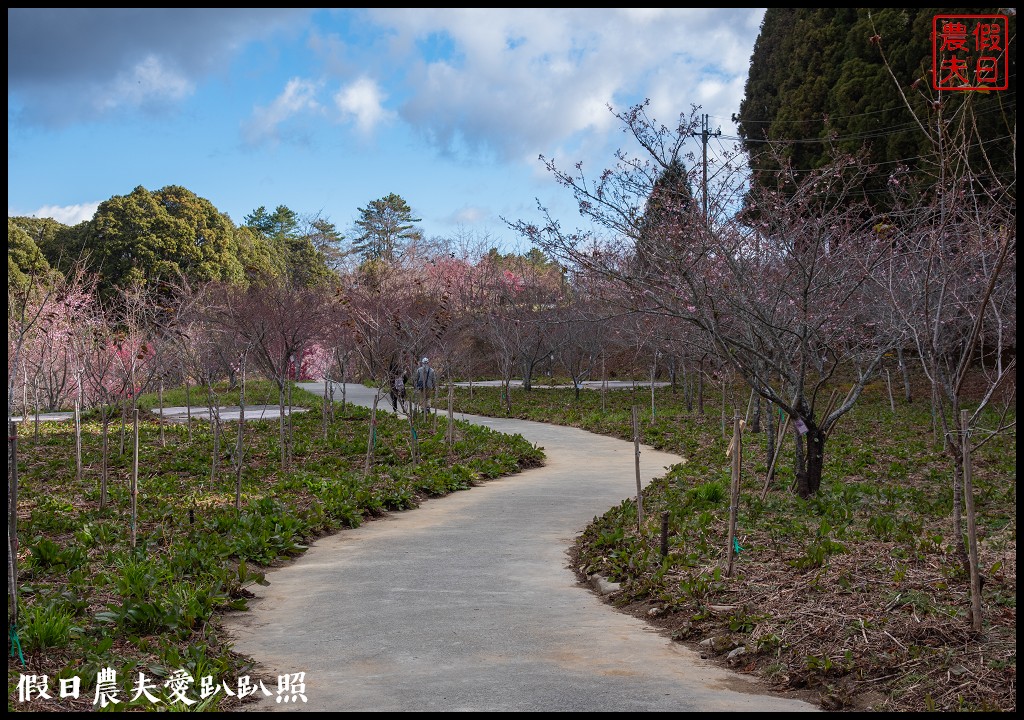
(467, 603)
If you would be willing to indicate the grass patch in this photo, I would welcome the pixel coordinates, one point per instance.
(89, 601)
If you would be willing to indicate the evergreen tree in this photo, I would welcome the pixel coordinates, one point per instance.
(152, 236)
(260, 221)
(833, 80)
(668, 206)
(386, 226)
(25, 261)
(296, 257)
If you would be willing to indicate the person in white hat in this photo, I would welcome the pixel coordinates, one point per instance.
(426, 383)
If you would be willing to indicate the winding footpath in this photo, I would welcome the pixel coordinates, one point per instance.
(467, 603)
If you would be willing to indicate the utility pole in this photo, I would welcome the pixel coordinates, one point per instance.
(705, 133)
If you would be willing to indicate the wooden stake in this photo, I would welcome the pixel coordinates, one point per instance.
(604, 386)
(639, 489)
(104, 461)
(240, 439)
(723, 406)
(413, 437)
(972, 531)
(135, 476)
(451, 415)
(734, 495)
(654, 367)
(12, 520)
(371, 442)
(78, 441)
(775, 457)
(888, 385)
(188, 406)
(325, 408)
(664, 533)
(160, 393)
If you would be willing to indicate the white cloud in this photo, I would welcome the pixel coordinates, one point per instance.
(363, 102)
(148, 81)
(298, 97)
(66, 214)
(516, 82)
(469, 216)
(60, 60)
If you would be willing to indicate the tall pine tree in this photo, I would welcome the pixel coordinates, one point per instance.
(819, 83)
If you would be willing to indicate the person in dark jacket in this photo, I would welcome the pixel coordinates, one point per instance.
(399, 379)
(426, 383)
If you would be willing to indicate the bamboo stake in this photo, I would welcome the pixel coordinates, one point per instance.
(775, 457)
(888, 385)
(750, 407)
(972, 531)
(451, 414)
(639, 489)
(331, 389)
(240, 439)
(105, 456)
(831, 404)
(344, 387)
(124, 421)
(12, 520)
(414, 441)
(78, 441)
(664, 533)
(654, 366)
(734, 496)
(135, 476)
(188, 406)
(371, 442)
(160, 393)
(325, 408)
(604, 386)
(723, 406)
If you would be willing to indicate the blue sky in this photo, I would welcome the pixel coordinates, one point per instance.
(326, 110)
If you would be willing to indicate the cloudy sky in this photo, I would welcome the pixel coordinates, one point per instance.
(325, 111)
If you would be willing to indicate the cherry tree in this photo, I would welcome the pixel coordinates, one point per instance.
(778, 290)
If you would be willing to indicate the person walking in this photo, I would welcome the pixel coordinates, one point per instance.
(425, 383)
(399, 378)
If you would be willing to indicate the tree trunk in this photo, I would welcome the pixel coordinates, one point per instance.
(815, 459)
(283, 430)
(508, 396)
(798, 457)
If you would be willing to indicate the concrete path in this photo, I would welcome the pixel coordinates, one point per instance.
(467, 603)
(253, 413)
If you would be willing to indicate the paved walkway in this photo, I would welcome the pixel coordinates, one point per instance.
(467, 603)
(253, 413)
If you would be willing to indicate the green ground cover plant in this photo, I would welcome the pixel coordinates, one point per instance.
(89, 601)
(853, 597)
